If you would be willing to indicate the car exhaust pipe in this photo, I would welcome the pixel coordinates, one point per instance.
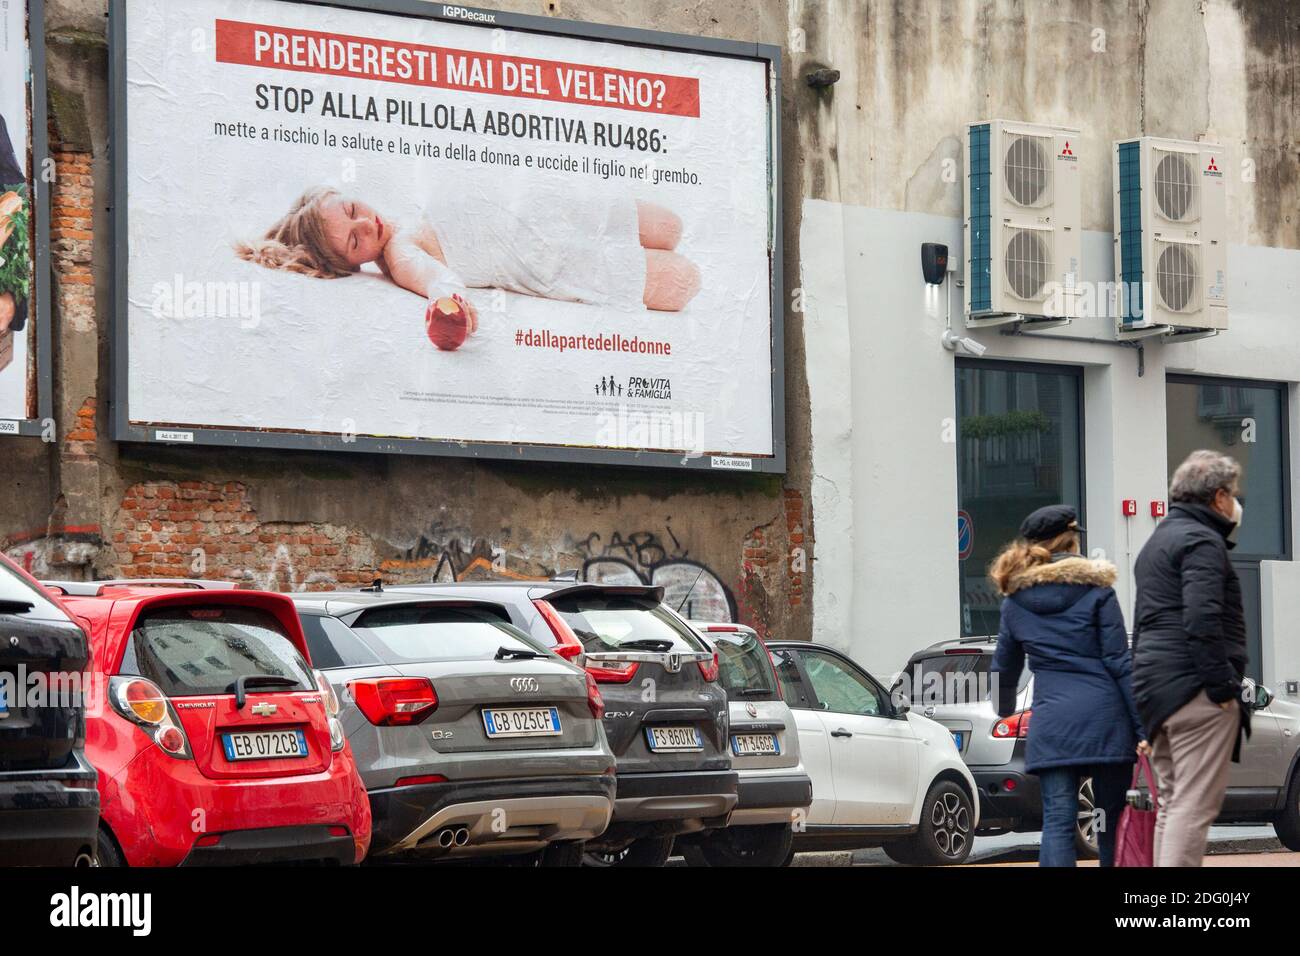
(83, 859)
(462, 836)
(446, 838)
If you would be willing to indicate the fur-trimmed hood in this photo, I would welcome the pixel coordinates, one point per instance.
(1072, 570)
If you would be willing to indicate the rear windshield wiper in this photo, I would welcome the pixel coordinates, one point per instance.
(259, 680)
(753, 692)
(16, 607)
(517, 654)
(646, 644)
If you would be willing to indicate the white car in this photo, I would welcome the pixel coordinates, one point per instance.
(882, 776)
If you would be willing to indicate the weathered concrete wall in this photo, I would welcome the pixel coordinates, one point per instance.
(87, 506)
(915, 73)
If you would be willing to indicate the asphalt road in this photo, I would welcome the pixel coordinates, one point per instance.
(1229, 846)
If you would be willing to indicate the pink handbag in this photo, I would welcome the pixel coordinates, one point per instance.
(1135, 840)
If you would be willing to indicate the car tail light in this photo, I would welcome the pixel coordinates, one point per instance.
(327, 694)
(338, 739)
(395, 701)
(567, 644)
(144, 704)
(171, 740)
(210, 839)
(420, 781)
(709, 669)
(595, 702)
(1017, 725)
(337, 831)
(612, 672)
(146, 701)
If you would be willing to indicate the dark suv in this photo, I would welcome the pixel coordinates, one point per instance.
(49, 807)
(665, 713)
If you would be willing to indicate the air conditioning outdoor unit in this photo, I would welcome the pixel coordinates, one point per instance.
(1171, 250)
(1023, 224)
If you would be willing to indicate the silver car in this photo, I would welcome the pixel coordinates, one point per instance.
(951, 682)
(774, 789)
(472, 739)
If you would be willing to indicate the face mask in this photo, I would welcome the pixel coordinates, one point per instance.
(1237, 512)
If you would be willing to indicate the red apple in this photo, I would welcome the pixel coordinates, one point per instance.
(447, 323)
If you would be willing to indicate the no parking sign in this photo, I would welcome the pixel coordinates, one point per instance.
(965, 536)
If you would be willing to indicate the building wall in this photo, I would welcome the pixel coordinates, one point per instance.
(883, 174)
(873, 168)
(82, 505)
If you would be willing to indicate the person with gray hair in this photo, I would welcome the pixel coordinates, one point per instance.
(1189, 653)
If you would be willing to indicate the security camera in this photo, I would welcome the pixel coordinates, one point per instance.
(961, 343)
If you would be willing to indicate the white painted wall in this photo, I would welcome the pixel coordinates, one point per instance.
(882, 391)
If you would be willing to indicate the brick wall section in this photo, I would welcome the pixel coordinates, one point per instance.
(71, 240)
(795, 537)
(80, 440)
(200, 529)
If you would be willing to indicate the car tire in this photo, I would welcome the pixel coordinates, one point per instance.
(650, 851)
(565, 853)
(106, 850)
(765, 846)
(1287, 822)
(945, 836)
(1085, 828)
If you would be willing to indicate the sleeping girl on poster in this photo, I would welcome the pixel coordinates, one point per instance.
(620, 253)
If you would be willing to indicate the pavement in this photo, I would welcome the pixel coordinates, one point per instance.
(1228, 846)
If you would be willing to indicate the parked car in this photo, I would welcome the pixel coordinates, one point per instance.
(472, 738)
(773, 787)
(882, 774)
(218, 743)
(952, 683)
(665, 714)
(49, 807)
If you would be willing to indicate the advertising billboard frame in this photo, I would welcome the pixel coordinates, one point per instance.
(44, 340)
(125, 430)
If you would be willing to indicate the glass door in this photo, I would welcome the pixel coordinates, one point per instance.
(1019, 447)
(1247, 421)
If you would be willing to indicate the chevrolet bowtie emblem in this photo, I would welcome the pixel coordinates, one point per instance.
(264, 710)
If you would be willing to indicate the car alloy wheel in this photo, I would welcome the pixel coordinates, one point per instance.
(1086, 824)
(950, 822)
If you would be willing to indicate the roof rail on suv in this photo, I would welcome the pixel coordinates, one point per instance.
(97, 588)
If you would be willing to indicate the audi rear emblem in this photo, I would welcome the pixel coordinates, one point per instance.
(524, 685)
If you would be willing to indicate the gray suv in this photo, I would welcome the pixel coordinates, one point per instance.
(665, 712)
(472, 738)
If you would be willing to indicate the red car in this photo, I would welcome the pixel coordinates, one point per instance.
(215, 740)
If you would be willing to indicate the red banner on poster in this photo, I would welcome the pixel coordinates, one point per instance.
(392, 61)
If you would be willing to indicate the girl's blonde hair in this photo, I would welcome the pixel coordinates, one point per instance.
(297, 243)
(1021, 555)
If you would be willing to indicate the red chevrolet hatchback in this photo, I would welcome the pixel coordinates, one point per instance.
(215, 740)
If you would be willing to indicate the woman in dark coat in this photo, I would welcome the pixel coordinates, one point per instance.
(1061, 613)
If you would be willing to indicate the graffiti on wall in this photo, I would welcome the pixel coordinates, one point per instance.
(639, 557)
(49, 553)
(643, 557)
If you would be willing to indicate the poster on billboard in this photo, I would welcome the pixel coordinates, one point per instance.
(24, 348)
(409, 227)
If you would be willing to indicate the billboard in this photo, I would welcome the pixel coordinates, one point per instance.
(24, 335)
(410, 227)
